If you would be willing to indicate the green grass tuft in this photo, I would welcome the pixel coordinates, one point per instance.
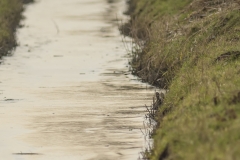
(10, 15)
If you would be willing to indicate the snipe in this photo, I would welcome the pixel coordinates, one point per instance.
(159, 100)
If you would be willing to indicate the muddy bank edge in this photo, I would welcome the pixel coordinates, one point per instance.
(191, 48)
(10, 16)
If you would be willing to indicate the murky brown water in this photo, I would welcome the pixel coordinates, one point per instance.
(66, 94)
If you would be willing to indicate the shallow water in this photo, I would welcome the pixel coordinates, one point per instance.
(66, 92)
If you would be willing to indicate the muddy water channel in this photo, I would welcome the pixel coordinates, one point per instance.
(66, 93)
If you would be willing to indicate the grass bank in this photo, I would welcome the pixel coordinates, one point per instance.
(191, 48)
(10, 15)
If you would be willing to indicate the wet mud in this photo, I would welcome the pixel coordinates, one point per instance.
(66, 92)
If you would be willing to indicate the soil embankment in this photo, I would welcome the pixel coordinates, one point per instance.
(10, 15)
(191, 48)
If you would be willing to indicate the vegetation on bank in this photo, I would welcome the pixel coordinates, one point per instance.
(191, 48)
(10, 15)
